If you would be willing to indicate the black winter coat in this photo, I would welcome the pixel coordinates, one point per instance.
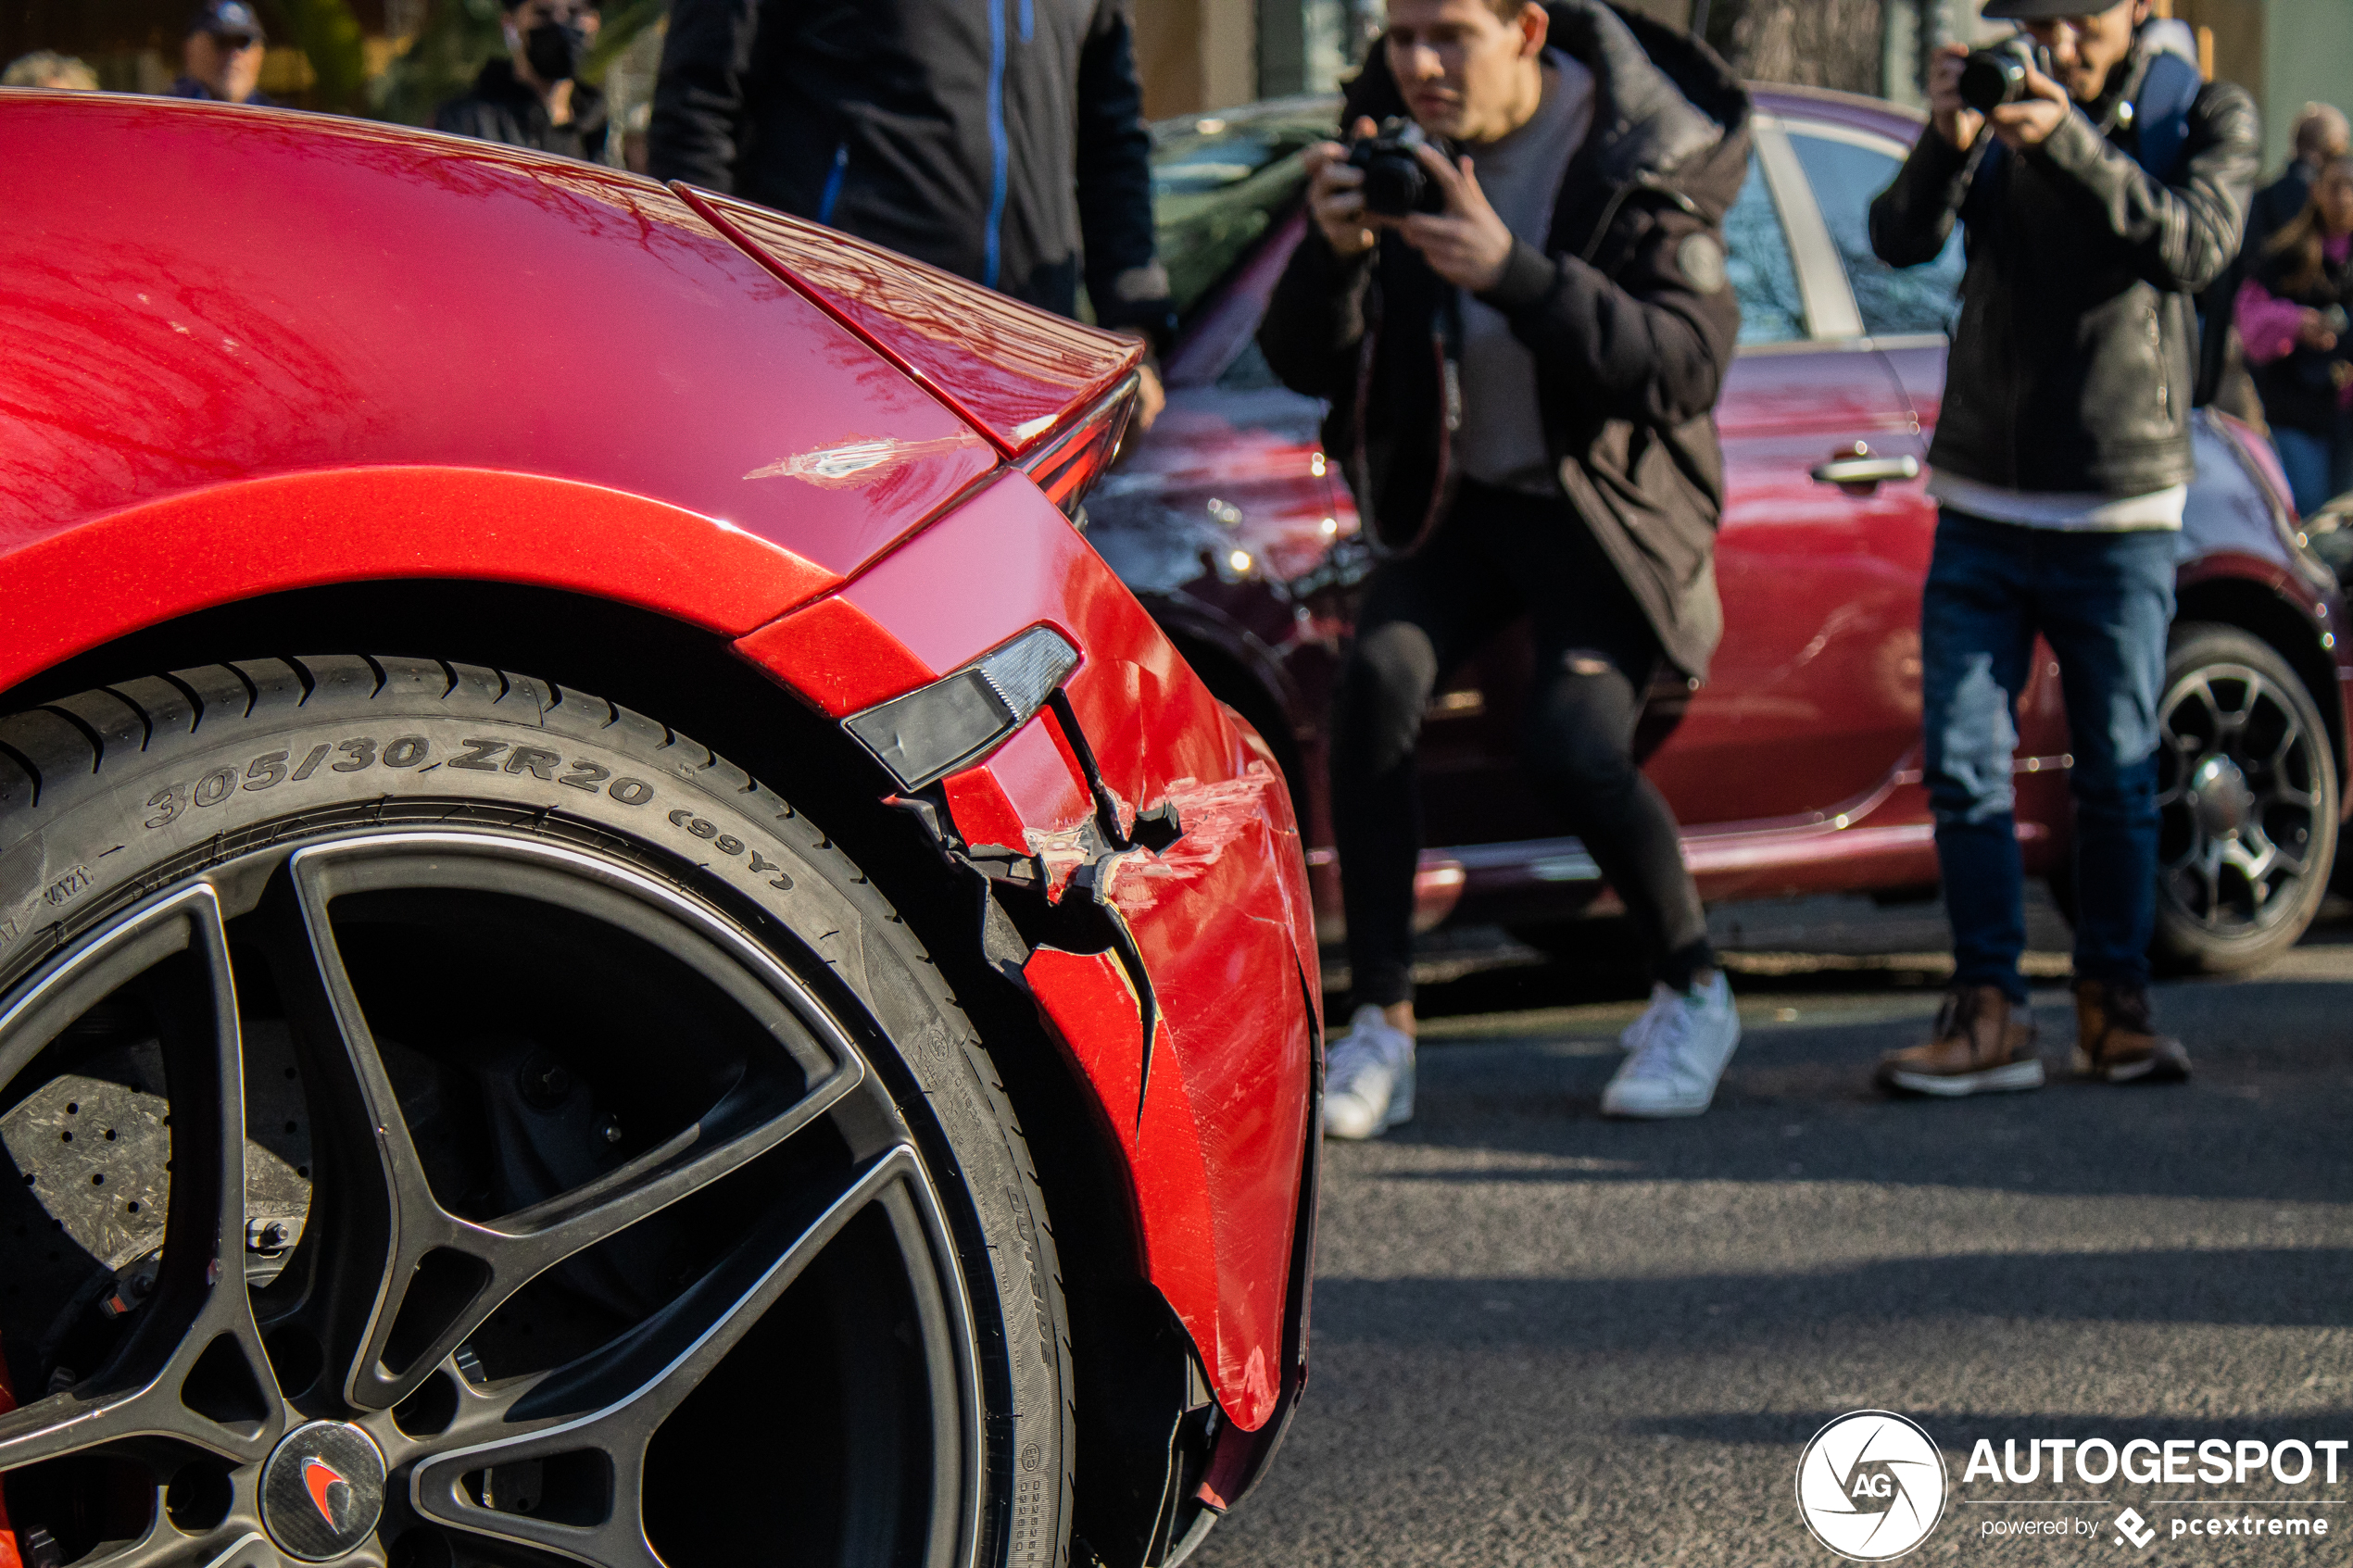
(503, 109)
(1626, 308)
(1002, 142)
(2074, 364)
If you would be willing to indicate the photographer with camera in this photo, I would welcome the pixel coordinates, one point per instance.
(2102, 184)
(1522, 345)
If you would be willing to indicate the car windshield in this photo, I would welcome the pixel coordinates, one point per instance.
(1220, 181)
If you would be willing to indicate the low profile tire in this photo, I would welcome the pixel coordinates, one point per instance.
(453, 1120)
(2247, 801)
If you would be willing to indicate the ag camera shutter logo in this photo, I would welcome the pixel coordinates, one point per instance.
(1870, 1486)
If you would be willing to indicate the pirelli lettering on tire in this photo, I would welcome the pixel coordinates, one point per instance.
(269, 770)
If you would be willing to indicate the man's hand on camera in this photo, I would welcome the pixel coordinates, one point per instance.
(2043, 109)
(1466, 244)
(2313, 331)
(1954, 119)
(1336, 195)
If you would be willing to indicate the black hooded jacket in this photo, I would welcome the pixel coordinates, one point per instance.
(2073, 366)
(1001, 141)
(1626, 308)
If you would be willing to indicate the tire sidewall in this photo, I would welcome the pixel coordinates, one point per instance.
(538, 762)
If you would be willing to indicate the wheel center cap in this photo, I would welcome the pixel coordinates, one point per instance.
(322, 1490)
(2220, 795)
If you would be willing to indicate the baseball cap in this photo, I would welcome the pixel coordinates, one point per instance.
(2044, 10)
(227, 19)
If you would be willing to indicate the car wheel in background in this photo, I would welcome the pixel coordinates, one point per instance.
(454, 1119)
(2248, 802)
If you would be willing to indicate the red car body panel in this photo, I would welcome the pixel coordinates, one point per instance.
(1795, 767)
(1213, 1123)
(1012, 372)
(247, 352)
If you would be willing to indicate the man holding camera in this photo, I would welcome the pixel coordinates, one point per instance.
(1522, 345)
(2102, 185)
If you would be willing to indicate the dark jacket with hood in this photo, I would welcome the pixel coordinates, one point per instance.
(1626, 309)
(989, 141)
(502, 108)
(2074, 363)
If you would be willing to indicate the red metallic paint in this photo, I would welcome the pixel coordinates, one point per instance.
(204, 296)
(147, 564)
(247, 351)
(1012, 372)
(1222, 916)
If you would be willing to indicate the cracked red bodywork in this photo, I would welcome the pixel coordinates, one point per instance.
(1221, 917)
(250, 353)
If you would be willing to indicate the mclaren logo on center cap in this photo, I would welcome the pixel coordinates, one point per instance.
(329, 1490)
(322, 1490)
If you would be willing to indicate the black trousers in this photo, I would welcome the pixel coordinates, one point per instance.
(1496, 556)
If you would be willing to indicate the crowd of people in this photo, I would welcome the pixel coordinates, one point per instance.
(1557, 456)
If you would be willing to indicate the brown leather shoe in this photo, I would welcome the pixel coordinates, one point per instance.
(1975, 1049)
(2116, 1042)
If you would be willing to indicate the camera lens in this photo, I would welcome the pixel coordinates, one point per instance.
(1991, 77)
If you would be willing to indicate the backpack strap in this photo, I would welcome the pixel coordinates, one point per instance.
(2161, 113)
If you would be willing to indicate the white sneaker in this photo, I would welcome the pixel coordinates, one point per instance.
(1663, 1000)
(1368, 1078)
(1674, 1070)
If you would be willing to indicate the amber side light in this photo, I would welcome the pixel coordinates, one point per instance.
(1067, 467)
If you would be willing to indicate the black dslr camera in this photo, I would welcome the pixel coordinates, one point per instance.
(1991, 77)
(1395, 182)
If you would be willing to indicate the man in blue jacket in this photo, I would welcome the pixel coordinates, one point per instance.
(1002, 141)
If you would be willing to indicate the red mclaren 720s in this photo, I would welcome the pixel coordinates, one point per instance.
(450, 1115)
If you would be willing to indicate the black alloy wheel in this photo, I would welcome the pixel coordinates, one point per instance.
(442, 1166)
(2247, 803)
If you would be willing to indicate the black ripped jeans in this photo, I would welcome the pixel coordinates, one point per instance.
(1497, 555)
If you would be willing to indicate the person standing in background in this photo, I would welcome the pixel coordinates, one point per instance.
(46, 68)
(2097, 204)
(535, 97)
(220, 57)
(2291, 316)
(1002, 142)
(2322, 137)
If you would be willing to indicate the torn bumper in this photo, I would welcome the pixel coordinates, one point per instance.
(1134, 799)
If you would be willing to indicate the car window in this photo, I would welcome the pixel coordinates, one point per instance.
(1894, 303)
(1218, 185)
(1764, 277)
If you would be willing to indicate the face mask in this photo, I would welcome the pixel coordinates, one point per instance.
(554, 50)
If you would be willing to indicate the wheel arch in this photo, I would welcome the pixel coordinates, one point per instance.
(2261, 610)
(689, 677)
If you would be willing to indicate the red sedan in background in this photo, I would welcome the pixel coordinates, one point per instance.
(1796, 766)
(453, 1116)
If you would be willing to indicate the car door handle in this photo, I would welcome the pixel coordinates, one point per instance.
(1863, 470)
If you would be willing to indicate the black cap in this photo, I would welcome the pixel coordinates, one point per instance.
(226, 20)
(2042, 10)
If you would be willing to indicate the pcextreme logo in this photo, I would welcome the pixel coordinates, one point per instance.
(1870, 1486)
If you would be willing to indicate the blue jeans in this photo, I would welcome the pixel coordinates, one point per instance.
(2318, 467)
(2103, 601)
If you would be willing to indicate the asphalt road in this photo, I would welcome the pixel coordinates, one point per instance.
(1541, 1338)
